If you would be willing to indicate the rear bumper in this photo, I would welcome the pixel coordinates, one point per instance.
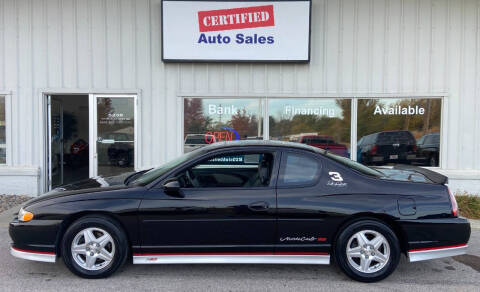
(39, 256)
(436, 238)
(423, 254)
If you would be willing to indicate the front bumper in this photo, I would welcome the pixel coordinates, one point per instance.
(424, 254)
(39, 256)
(38, 236)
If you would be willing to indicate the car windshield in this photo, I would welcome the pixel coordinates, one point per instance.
(355, 165)
(156, 172)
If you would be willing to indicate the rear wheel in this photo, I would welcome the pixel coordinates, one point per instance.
(367, 251)
(94, 247)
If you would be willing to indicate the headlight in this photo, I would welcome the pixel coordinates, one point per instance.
(24, 216)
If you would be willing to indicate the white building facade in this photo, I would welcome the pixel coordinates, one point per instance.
(84, 90)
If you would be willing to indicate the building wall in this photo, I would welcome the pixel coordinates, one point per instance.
(358, 48)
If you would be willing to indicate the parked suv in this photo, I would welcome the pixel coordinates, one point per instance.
(428, 149)
(324, 142)
(387, 147)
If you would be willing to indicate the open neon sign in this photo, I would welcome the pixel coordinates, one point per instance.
(218, 136)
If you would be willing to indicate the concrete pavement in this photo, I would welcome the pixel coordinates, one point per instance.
(449, 274)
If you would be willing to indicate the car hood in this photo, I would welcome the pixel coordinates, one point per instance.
(90, 185)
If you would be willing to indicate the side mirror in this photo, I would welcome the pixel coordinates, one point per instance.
(172, 188)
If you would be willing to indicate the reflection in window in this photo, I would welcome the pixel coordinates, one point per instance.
(3, 140)
(207, 121)
(116, 132)
(322, 123)
(399, 131)
(298, 170)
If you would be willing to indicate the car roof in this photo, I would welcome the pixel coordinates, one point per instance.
(261, 143)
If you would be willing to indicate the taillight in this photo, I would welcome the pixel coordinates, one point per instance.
(454, 203)
(414, 148)
(374, 149)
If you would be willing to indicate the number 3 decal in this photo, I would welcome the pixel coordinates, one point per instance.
(335, 176)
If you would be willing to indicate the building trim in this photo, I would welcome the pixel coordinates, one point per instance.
(7, 170)
(312, 95)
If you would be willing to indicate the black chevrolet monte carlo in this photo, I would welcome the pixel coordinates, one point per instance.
(246, 202)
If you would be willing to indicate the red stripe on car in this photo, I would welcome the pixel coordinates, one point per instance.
(437, 247)
(33, 251)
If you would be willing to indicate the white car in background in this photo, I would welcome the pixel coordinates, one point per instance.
(195, 141)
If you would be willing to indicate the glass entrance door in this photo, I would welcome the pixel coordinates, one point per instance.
(56, 142)
(114, 137)
(68, 136)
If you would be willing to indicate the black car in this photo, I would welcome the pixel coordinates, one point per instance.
(387, 147)
(247, 202)
(428, 149)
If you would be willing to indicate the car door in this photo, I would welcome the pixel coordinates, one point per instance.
(302, 222)
(223, 209)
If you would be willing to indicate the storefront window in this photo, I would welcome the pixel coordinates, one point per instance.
(3, 140)
(319, 122)
(210, 120)
(405, 130)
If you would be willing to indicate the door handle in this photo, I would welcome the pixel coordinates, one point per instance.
(258, 206)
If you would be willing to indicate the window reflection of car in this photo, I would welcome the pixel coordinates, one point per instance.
(324, 142)
(195, 141)
(387, 147)
(253, 138)
(78, 153)
(428, 147)
(120, 152)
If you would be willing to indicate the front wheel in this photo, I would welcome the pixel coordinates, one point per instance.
(367, 251)
(94, 247)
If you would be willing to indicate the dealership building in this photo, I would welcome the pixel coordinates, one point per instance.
(100, 88)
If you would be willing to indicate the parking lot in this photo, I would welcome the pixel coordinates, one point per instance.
(459, 273)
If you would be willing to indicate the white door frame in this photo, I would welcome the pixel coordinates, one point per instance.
(49, 142)
(93, 129)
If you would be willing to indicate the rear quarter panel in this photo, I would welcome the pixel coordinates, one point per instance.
(322, 210)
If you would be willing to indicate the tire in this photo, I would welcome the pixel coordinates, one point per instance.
(109, 253)
(352, 266)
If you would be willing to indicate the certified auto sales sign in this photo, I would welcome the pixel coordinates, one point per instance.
(264, 31)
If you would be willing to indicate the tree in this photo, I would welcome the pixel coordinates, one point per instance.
(245, 124)
(195, 121)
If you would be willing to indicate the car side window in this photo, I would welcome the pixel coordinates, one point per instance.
(298, 169)
(234, 170)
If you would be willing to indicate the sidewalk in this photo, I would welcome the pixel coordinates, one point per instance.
(474, 224)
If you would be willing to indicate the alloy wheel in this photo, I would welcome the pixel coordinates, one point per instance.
(93, 248)
(368, 251)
